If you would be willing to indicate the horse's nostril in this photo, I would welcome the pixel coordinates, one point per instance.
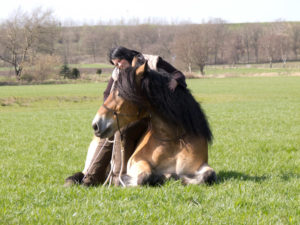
(95, 127)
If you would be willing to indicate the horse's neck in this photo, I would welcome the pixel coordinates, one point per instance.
(164, 129)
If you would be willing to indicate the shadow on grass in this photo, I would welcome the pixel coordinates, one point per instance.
(229, 175)
(289, 175)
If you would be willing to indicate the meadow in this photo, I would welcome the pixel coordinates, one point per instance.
(45, 131)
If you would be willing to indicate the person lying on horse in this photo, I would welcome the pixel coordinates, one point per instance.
(97, 164)
(176, 143)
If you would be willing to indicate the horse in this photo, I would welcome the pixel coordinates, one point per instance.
(176, 142)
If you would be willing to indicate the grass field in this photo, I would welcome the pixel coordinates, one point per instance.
(45, 131)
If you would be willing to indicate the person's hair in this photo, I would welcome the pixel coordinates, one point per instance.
(121, 52)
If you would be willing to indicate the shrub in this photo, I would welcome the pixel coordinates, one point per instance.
(41, 68)
(65, 71)
(75, 73)
(99, 71)
(27, 77)
(68, 73)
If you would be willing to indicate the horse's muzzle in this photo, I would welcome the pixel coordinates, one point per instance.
(102, 127)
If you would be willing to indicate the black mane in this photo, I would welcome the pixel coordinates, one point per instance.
(178, 107)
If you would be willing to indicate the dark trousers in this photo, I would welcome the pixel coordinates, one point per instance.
(100, 164)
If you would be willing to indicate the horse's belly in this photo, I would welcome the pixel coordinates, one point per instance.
(170, 168)
(175, 161)
(177, 166)
(186, 166)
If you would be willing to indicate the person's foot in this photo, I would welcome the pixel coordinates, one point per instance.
(90, 180)
(76, 178)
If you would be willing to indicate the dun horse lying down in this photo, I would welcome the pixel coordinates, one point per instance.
(176, 143)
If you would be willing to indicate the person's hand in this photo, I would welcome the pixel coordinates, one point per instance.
(173, 84)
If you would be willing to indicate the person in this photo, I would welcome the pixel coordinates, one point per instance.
(99, 153)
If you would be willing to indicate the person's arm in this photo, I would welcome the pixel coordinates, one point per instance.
(108, 88)
(177, 76)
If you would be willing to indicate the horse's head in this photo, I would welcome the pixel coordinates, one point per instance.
(117, 112)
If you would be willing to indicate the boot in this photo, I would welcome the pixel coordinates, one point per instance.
(76, 178)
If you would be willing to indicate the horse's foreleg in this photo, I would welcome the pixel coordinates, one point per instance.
(205, 174)
(140, 173)
(136, 173)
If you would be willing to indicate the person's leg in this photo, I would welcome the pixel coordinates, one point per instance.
(95, 170)
(100, 153)
(91, 152)
(97, 160)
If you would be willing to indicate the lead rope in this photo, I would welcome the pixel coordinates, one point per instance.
(122, 165)
(112, 162)
(122, 151)
(112, 167)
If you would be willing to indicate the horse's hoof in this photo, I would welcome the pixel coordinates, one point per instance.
(153, 180)
(74, 179)
(210, 177)
(129, 181)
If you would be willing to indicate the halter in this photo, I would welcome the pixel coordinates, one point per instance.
(109, 177)
(121, 114)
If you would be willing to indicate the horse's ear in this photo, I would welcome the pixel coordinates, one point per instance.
(139, 73)
(141, 69)
(134, 61)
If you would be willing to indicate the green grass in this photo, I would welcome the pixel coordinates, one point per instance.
(249, 71)
(6, 68)
(45, 131)
(252, 69)
(83, 65)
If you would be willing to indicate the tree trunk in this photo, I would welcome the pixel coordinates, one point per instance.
(248, 56)
(202, 69)
(256, 55)
(284, 58)
(18, 71)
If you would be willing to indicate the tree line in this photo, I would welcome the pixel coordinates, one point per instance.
(37, 39)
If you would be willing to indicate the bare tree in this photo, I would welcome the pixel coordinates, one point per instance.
(21, 37)
(69, 43)
(218, 32)
(92, 40)
(235, 46)
(246, 39)
(256, 32)
(163, 44)
(283, 41)
(140, 37)
(295, 38)
(183, 47)
(284, 47)
(270, 43)
(201, 48)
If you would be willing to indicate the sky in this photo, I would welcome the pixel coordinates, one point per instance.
(167, 11)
